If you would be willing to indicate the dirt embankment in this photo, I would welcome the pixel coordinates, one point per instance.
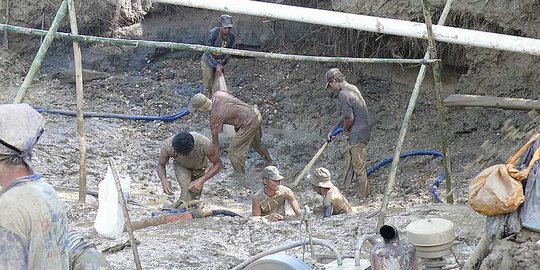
(297, 114)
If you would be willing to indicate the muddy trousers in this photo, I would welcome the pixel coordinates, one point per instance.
(355, 167)
(244, 138)
(210, 81)
(184, 177)
(90, 259)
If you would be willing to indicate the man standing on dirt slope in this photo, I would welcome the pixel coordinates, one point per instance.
(246, 119)
(355, 121)
(33, 222)
(212, 64)
(334, 203)
(190, 152)
(269, 202)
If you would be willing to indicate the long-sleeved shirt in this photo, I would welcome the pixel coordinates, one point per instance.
(215, 39)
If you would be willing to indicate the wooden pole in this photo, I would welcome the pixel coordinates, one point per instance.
(457, 100)
(5, 42)
(202, 48)
(122, 201)
(404, 126)
(441, 111)
(80, 102)
(36, 64)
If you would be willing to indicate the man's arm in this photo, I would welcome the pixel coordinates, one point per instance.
(217, 165)
(161, 170)
(14, 255)
(255, 208)
(294, 204)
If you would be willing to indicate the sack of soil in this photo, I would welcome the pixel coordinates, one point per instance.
(497, 190)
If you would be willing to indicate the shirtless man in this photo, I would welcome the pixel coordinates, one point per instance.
(246, 119)
(334, 203)
(269, 202)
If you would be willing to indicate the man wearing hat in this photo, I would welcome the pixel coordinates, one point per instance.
(33, 222)
(269, 202)
(246, 119)
(212, 63)
(191, 152)
(334, 203)
(355, 121)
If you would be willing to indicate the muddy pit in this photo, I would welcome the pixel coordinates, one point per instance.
(297, 115)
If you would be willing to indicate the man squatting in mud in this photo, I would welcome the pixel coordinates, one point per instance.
(191, 152)
(269, 202)
(355, 121)
(212, 63)
(246, 119)
(334, 203)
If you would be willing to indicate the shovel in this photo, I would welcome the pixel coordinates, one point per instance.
(336, 132)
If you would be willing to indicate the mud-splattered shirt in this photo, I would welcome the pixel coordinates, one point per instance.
(214, 39)
(33, 226)
(353, 105)
(340, 204)
(197, 158)
(274, 204)
(227, 109)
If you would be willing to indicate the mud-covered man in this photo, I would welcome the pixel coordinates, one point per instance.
(33, 222)
(212, 63)
(355, 121)
(334, 203)
(190, 152)
(246, 119)
(269, 202)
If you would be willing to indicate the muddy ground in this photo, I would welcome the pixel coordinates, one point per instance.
(297, 115)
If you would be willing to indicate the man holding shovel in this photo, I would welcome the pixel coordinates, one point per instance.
(355, 121)
(212, 63)
(246, 119)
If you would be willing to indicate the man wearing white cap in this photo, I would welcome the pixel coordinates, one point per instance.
(269, 202)
(212, 63)
(334, 203)
(247, 121)
(33, 222)
(355, 122)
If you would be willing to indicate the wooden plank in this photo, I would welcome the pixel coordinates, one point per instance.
(458, 100)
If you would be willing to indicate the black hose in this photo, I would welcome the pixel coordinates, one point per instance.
(225, 212)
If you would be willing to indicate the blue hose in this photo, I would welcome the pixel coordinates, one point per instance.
(434, 187)
(165, 118)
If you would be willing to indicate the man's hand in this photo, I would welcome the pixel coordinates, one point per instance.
(167, 187)
(219, 70)
(196, 186)
(275, 217)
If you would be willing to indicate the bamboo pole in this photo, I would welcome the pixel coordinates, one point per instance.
(459, 100)
(404, 127)
(202, 48)
(36, 64)
(368, 23)
(122, 202)
(80, 101)
(441, 113)
(5, 42)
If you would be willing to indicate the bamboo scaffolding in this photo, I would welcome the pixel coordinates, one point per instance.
(36, 64)
(5, 41)
(441, 113)
(458, 100)
(202, 48)
(80, 101)
(122, 202)
(381, 25)
(404, 127)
